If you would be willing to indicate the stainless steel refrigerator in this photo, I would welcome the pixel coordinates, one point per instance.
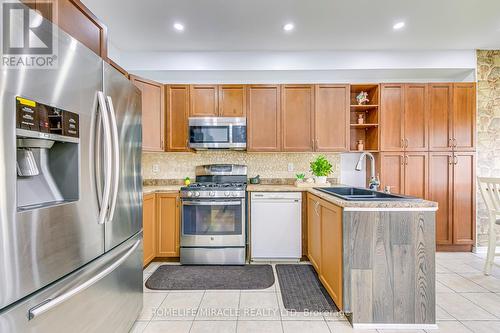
(70, 196)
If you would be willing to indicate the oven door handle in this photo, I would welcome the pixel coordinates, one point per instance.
(211, 203)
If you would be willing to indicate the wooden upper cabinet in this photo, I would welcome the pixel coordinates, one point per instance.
(168, 217)
(149, 229)
(464, 116)
(416, 173)
(391, 166)
(297, 105)
(314, 231)
(232, 101)
(440, 121)
(78, 21)
(204, 101)
(415, 120)
(153, 113)
(177, 98)
(464, 198)
(391, 117)
(331, 118)
(441, 191)
(331, 251)
(264, 118)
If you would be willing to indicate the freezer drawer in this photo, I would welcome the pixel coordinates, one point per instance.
(103, 296)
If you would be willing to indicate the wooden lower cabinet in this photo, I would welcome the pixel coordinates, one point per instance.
(452, 186)
(168, 211)
(149, 226)
(161, 223)
(331, 251)
(441, 191)
(324, 225)
(313, 231)
(464, 198)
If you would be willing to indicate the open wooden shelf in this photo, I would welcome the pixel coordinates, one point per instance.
(363, 151)
(369, 131)
(364, 125)
(357, 107)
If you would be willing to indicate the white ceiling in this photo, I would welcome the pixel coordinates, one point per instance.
(256, 25)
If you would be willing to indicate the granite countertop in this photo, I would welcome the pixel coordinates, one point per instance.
(161, 188)
(348, 205)
(395, 204)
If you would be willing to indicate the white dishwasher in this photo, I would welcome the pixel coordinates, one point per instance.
(276, 225)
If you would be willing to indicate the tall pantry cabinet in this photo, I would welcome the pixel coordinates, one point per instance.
(428, 143)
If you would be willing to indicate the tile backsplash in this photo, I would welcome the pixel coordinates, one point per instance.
(267, 165)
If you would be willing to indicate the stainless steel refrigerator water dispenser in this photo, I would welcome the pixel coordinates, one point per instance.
(47, 147)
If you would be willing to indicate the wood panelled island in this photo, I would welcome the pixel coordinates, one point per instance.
(376, 259)
(386, 255)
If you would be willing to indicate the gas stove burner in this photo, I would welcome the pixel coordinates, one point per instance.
(195, 186)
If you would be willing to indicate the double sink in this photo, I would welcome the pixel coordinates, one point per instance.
(361, 194)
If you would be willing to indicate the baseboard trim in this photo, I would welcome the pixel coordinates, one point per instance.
(375, 326)
(453, 248)
(483, 249)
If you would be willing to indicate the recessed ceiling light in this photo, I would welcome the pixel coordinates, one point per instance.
(398, 25)
(288, 27)
(179, 26)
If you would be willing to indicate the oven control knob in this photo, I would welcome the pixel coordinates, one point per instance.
(212, 193)
(234, 194)
(226, 193)
(196, 194)
(190, 194)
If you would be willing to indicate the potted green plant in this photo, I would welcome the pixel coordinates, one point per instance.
(321, 168)
(300, 177)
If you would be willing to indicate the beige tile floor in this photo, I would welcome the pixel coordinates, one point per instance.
(467, 301)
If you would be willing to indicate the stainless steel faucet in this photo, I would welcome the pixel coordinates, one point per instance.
(374, 181)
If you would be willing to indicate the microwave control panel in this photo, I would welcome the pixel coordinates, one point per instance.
(38, 117)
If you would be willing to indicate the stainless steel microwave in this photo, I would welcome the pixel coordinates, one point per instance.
(218, 133)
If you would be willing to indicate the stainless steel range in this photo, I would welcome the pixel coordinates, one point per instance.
(213, 218)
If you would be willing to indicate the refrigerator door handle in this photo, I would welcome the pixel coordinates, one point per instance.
(50, 303)
(116, 158)
(107, 158)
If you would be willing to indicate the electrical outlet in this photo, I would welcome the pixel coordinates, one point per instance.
(290, 167)
(156, 168)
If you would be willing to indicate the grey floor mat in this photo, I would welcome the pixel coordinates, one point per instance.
(176, 277)
(301, 289)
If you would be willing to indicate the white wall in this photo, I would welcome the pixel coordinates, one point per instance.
(348, 174)
(312, 66)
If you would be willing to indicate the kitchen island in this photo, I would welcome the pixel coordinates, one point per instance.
(375, 258)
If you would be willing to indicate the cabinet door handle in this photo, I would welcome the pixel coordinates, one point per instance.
(406, 159)
(454, 142)
(402, 143)
(450, 160)
(455, 160)
(406, 143)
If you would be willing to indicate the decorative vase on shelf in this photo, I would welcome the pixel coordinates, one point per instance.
(361, 119)
(361, 145)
